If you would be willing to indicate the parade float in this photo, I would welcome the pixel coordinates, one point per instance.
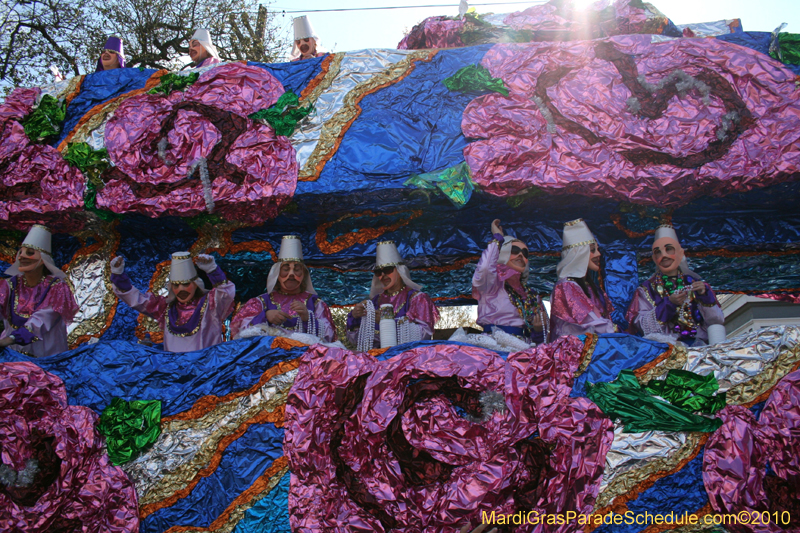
(539, 117)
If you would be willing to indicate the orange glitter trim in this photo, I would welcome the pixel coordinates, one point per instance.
(326, 65)
(361, 236)
(141, 330)
(258, 486)
(641, 371)
(153, 81)
(208, 403)
(276, 417)
(71, 96)
(356, 104)
(616, 218)
(375, 352)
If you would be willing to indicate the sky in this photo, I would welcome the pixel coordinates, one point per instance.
(354, 30)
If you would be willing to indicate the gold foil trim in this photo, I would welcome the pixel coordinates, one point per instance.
(335, 128)
(656, 469)
(573, 222)
(582, 243)
(773, 371)
(677, 359)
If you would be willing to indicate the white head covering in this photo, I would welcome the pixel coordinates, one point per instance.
(505, 254)
(667, 231)
(38, 238)
(182, 270)
(575, 250)
(204, 37)
(291, 251)
(303, 30)
(387, 255)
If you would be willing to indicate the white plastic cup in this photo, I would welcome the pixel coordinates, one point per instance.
(716, 334)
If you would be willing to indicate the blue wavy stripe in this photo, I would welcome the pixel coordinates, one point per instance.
(95, 373)
(616, 352)
(242, 463)
(270, 514)
(679, 493)
(295, 75)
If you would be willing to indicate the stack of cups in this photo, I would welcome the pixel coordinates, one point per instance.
(387, 326)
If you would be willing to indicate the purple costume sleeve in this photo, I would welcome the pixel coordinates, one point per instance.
(122, 282)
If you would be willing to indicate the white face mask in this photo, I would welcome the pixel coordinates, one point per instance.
(28, 262)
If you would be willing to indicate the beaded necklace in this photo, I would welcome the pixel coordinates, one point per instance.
(527, 305)
(686, 323)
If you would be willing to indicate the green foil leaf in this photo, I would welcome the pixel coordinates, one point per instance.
(129, 427)
(46, 120)
(475, 79)
(454, 182)
(689, 391)
(174, 82)
(625, 399)
(284, 114)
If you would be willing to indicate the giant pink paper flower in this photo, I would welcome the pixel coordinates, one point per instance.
(428, 439)
(157, 141)
(55, 474)
(628, 119)
(36, 184)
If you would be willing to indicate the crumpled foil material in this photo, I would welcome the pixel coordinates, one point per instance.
(623, 118)
(55, 474)
(378, 445)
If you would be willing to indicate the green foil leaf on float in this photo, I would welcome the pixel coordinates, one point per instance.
(46, 120)
(174, 82)
(129, 427)
(475, 79)
(284, 115)
(454, 182)
(625, 399)
(689, 391)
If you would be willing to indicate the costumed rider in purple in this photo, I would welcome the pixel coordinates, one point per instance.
(500, 284)
(306, 41)
(36, 302)
(578, 305)
(414, 312)
(111, 57)
(191, 316)
(675, 302)
(291, 304)
(202, 49)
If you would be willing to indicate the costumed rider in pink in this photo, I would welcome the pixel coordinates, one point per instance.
(191, 316)
(500, 284)
(111, 57)
(306, 42)
(578, 305)
(202, 50)
(414, 312)
(291, 304)
(36, 302)
(675, 301)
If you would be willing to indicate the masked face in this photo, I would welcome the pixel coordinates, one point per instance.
(109, 59)
(184, 292)
(291, 277)
(667, 255)
(390, 278)
(594, 257)
(518, 260)
(29, 259)
(197, 52)
(307, 47)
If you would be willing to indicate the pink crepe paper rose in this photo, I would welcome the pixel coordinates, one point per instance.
(427, 440)
(36, 184)
(197, 151)
(55, 474)
(627, 119)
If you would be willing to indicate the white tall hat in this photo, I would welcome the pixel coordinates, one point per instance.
(575, 249)
(38, 238)
(182, 269)
(204, 37)
(665, 230)
(303, 28)
(387, 255)
(291, 251)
